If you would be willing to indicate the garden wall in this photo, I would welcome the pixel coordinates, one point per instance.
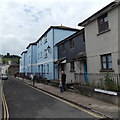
(106, 96)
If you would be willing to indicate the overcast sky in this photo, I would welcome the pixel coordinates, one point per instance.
(24, 21)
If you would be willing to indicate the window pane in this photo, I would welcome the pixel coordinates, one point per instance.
(103, 58)
(105, 19)
(62, 67)
(106, 26)
(41, 54)
(72, 66)
(44, 68)
(110, 65)
(103, 23)
(109, 58)
(45, 54)
(104, 65)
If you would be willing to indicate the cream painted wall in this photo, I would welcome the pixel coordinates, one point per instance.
(79, 67)
(97, 45)
(70, 76)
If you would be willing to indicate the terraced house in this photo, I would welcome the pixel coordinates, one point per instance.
(44, 53)
(102, 36)
(47, 50)
(31, 58)
(23, 63)
(72, 56)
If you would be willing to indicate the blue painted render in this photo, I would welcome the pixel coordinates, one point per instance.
(26, 63)
(45, 56)
(60, 34)
(31, 59)
(23, 62)
(40, 58)
(34, 59)
(45, 64)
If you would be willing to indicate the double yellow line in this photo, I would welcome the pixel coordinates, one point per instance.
(4, 104)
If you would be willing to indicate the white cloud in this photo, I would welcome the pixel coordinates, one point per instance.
(23, 21)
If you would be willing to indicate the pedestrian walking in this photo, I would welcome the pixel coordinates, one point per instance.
(33, 78)
(63, 80)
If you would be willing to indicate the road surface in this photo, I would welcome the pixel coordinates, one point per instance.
(25, 102)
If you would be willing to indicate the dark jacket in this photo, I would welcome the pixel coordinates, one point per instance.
(63, 78)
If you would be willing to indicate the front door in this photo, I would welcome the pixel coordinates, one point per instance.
(85, 72)
(62, 67)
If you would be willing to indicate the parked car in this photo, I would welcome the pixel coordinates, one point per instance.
(4, 77)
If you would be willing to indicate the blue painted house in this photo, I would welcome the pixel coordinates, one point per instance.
(23, 63)
(47, 53)
(31, 58)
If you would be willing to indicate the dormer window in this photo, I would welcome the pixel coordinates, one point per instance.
(103, 24)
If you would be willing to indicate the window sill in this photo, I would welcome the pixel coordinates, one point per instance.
(103, 32)
(106, 70)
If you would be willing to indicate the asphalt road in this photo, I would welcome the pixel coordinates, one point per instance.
(26, 102)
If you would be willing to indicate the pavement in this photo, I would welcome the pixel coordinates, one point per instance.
(25, 102)
(95, 105)
(0, 99)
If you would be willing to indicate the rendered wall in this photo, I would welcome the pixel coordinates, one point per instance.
(105, 43)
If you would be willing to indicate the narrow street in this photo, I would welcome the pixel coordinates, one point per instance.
(26, 102)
